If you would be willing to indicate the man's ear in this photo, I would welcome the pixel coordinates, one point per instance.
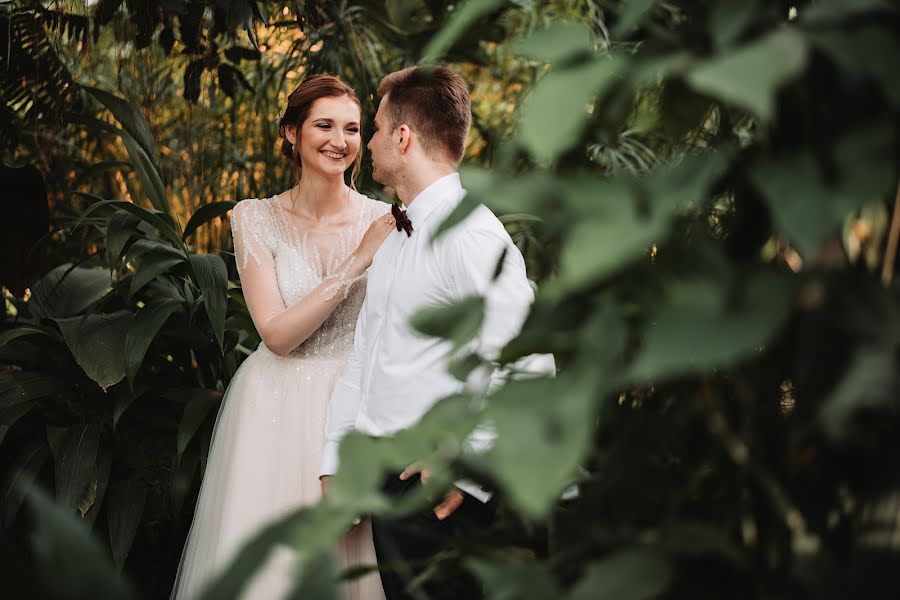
(405, 137)
(290, 133)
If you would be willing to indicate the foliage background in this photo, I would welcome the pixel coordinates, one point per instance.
(706, 193)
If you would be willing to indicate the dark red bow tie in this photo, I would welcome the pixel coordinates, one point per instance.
(403, 221)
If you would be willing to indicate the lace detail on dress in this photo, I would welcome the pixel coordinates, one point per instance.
(303, 259)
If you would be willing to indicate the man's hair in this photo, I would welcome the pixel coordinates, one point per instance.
(435, 103)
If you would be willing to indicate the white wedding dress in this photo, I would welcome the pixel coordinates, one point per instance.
(267, 443)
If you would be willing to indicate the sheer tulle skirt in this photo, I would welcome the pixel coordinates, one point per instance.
(263, 462)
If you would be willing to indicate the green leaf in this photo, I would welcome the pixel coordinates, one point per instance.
(866, 386)
(792, 183)
(124, 511)
(634, 13)
(151, 266)
(634, 574)
(751, 76)
(464, 15)
(155, 219)
(206, 213)
(515, 579)
(122, 226)
(824, 11)
(19, 332)
(560, 42)
(863, 52)
(317, 580)
(98, 344)
(18, 388)
(543, 432)
(555, 113)
(69, 562)
(66, 291)
(458, 322)
(146, 326)
(20, 475)
(211, 276)
(310, 531)
(129, 116)
(76, 464)
(456, 216)
(697, 330)
(199, 404)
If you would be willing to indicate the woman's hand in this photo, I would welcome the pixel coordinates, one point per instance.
(374, 237)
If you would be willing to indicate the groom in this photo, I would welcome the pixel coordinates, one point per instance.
(394, 374)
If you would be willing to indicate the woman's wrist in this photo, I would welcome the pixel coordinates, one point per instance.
(361, 261)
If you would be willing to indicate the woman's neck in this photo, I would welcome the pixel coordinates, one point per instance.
(319, 198)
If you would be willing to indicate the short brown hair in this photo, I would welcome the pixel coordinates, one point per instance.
(300, 101)
(434, 102)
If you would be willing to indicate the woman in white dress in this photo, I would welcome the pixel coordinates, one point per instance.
(302, 257)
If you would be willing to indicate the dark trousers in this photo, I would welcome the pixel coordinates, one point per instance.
(409, 546)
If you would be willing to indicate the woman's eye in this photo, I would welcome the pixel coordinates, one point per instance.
(324, 126)
(353, 130)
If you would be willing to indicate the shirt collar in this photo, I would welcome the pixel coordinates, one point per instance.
(433, 196)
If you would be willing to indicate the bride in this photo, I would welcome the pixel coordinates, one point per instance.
(302, 257)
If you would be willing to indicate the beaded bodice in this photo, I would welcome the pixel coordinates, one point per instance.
(302, 259)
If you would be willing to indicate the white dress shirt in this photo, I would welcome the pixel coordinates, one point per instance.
(394, 374)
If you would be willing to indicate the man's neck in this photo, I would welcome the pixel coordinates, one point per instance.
(419, 178)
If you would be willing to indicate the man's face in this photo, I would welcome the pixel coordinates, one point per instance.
(386, 162)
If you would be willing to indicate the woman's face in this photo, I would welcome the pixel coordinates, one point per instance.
(330, 136)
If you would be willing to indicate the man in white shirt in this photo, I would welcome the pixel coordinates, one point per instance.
(394, 374)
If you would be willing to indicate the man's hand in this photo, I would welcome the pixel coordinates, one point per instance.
(323, 481)
(452, 500)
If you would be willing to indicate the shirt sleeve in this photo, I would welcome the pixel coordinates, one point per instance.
(345, 399)
(475, 268)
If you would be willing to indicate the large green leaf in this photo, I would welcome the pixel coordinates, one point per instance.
(211, 276)
(146, 326)
(129, 116)
(20, 475)
(458, 322)
(124, 510)
(864, 52)
(70, 564)
(199, 404)
(464, 15)
(543, 431)
(696, 329)
(555, 113)
(751, 76)
(515, 579)
(122, 226)
(793, 183)
(868, 386)
(152, 218)
(75, 454)
(17, 388)
(558, 43)
(206, 213)
(634, 574)
(151, 266)
(317, 580)
(633, 14)
(98, 344)
(67, 291)
(19, 332)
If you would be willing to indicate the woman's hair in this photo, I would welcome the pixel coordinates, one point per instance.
(299, 102)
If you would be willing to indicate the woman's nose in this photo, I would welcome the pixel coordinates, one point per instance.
(338, 140)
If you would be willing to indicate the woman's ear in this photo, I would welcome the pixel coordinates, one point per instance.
(290, 133)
